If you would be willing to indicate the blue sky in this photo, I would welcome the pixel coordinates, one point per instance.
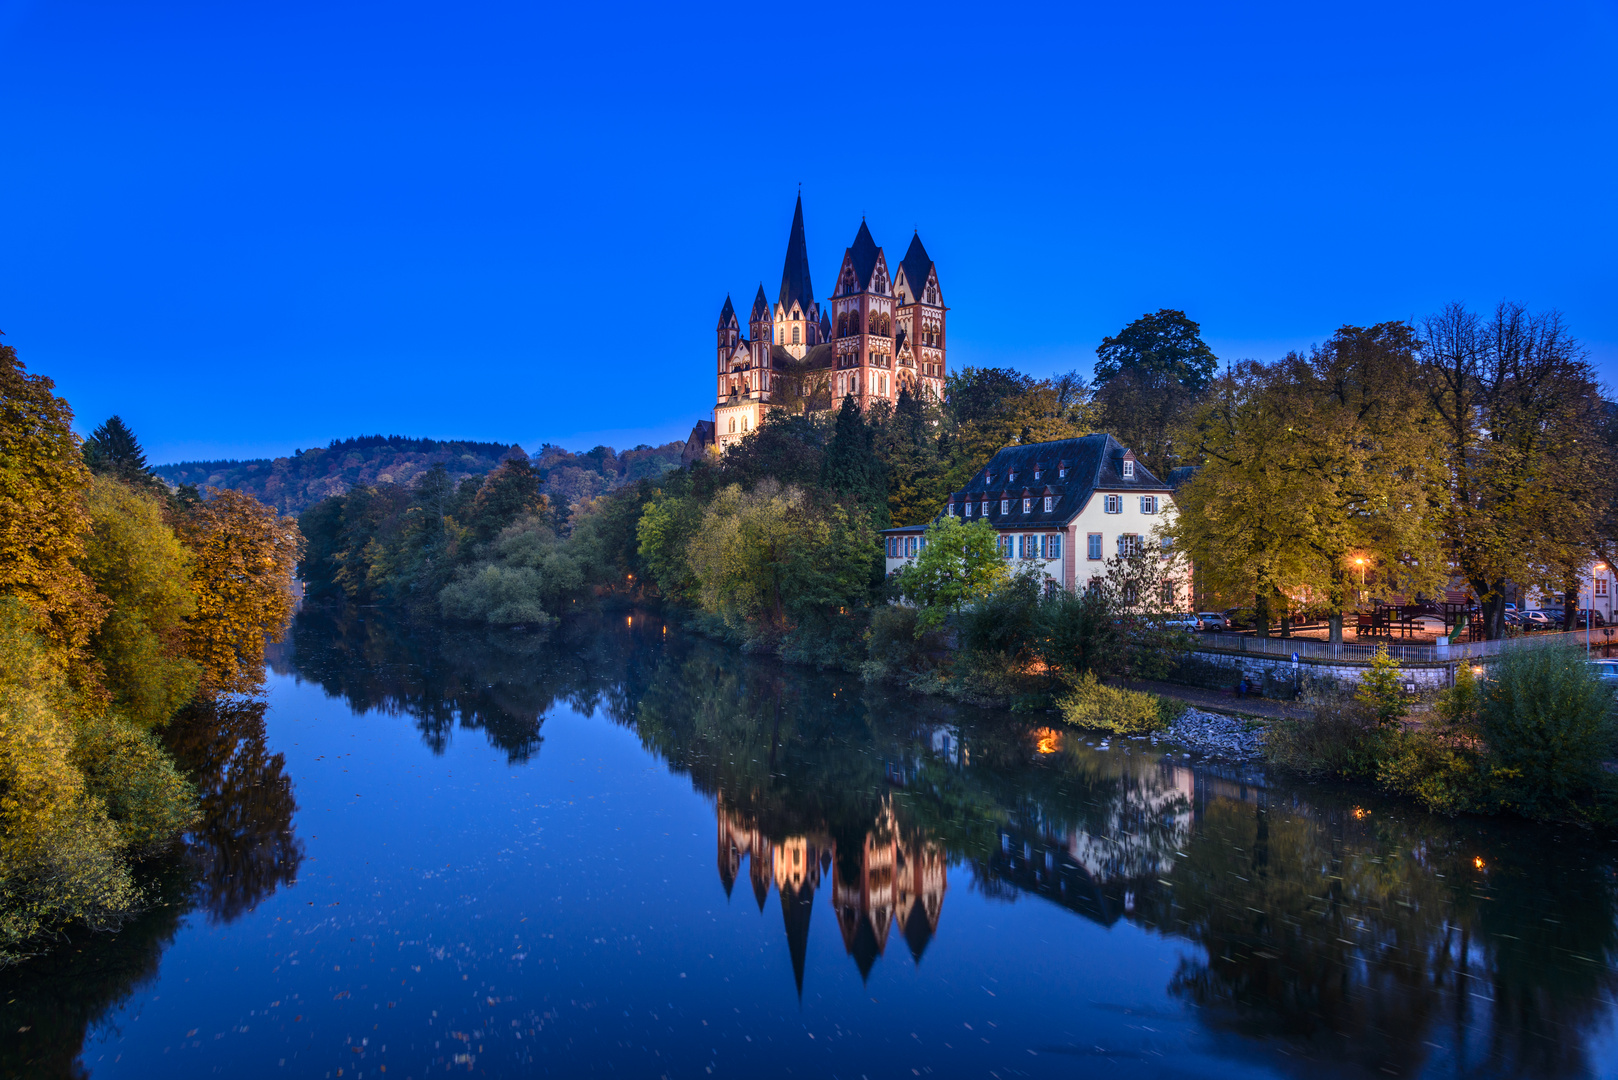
(251, 227)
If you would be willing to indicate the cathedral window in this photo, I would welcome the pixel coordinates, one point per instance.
(795, 335)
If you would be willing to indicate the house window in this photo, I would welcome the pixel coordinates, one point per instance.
(1094, 586)
(1114, 504)
(1005, 506)
(1053, 546)
(984, 509)
(1128, 544)
(910, 547)
(1005, 546)
(1038, 472)
(1027, 505)
(1061, 472)
(1129, 469)
(1601, 585)
(967, 507)
(1130, 595)
(1093, 547)
(1048, 500)
(950, 510)
(1148, 504)
(1011, 477)
(893, 548)
(988, 478)
(1168, 596)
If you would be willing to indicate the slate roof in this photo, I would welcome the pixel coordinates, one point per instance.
(1178, 477)
(761, 304)
(726, 313)
(818, 356)
(863, 252)
(795, 273)
(916, 266)
(1094, 464)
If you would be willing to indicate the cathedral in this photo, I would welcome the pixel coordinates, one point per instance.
(880, 333)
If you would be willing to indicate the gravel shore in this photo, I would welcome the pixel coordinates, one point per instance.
(1219, 736)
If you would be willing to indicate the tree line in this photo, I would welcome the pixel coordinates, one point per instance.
(121, 603)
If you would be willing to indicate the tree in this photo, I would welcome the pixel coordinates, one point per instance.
(1380, 688)
(1514, 398)
(909, 442)
(958, 564)
(1147, 379)
(850, 468)
(42, 514)
(244, 557)
(996, 407)
(112, 449)
(508, 493)
(144, 571)
(1165, 347)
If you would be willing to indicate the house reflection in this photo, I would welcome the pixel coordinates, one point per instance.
(885, 878)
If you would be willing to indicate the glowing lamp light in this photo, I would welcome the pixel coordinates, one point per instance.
(1477, 862)
(1361, 813)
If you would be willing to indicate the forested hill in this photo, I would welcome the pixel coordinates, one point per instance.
(292, 484)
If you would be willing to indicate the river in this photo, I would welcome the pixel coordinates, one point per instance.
(623, 850)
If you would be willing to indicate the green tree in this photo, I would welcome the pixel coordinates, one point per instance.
(991, 408)
(1381, 688)
(508, 493)
(112, 449)
(144, 571)
(851, 468)
(911, 442)
(958, 564)
(1165, 346)
(1147, 379)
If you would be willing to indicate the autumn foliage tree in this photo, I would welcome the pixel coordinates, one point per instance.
(244, 556)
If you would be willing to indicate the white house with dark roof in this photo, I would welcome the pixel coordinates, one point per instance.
(1068, 505)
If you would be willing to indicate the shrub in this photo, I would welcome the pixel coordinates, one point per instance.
(1343, 739)
(1547, 721)
(892, 647)
(1380, 690)
(1094, 704)
(1444, 775)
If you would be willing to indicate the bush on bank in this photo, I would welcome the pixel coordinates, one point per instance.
(1530, 737)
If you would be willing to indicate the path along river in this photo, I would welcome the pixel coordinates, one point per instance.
(618, 850)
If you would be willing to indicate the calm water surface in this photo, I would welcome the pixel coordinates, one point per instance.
(622, 851)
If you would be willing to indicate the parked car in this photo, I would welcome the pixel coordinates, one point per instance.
(1535, 619)
(1595, 617)
(1188, 623)
(1211, 620)
(1513, 620)
(1240, 618)
(1605, 670)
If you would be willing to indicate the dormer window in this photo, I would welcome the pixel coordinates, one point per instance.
(985, 510)
(967, 509)
(1049, 499)
(1038, 472)
(1129, 468)
(1005, 506)
(1061, 471)
(988, 478)
(1027, 505)
(1011, 476)
(949, 511)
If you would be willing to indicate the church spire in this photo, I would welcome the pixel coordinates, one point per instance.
(795, 284)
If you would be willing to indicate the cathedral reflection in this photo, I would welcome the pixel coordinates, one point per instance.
(886, 878)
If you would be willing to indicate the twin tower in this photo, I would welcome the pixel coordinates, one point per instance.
(881, 333)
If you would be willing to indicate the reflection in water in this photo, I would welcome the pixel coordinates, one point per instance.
(241, 851)
(1333, 928)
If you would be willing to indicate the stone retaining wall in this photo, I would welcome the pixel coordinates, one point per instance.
(1431, 676)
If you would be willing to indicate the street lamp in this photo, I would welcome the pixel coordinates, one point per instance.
(1361, 564)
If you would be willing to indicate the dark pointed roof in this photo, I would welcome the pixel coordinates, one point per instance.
(761, 304)
(863, 251)
(916, 266)
(795, 273)
(796, 907)
(726, 313)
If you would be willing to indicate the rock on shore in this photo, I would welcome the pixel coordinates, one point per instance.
(1224, 737)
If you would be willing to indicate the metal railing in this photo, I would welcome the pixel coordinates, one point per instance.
(1363, 651)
